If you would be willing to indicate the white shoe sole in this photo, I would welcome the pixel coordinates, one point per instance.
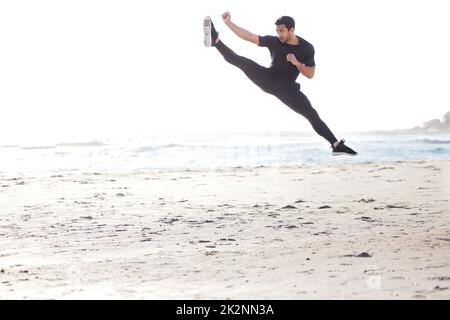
(207, 41)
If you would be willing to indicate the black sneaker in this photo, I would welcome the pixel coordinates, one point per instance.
(342, 149)
(210, 33)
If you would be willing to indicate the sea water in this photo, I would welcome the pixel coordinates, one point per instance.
(211, 151)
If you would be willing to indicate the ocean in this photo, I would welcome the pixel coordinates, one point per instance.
(214, 151)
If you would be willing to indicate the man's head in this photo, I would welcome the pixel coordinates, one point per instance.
(285, 28)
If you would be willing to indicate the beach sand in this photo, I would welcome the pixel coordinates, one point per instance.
(348, 231)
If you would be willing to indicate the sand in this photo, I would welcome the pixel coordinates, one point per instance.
(348, 231)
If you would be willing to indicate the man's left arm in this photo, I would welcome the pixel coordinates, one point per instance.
(303, 69)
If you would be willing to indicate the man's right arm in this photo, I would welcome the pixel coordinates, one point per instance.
(240, 32)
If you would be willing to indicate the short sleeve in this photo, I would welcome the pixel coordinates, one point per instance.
(309, 58)
(266, 41)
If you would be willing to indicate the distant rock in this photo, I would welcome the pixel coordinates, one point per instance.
(434, 125)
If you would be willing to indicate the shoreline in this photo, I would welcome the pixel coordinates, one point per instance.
(68, 172)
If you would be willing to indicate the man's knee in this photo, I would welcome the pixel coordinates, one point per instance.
(307, 110)
(298, 103)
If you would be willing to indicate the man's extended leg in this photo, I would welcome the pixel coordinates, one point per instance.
(258, 74)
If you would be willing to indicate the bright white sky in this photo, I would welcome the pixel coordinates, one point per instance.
(80, 70)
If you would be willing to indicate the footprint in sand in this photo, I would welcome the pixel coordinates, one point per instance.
(442, 278)
(367, 219)
(168, 220)
(361, 255)
(381, 169)
(392, 206)
(366, 200)
(434, 168)
(195, 222)
(438, 288)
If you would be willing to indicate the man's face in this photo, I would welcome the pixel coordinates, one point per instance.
(284, 34)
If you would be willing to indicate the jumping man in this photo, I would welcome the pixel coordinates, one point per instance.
(291, 55)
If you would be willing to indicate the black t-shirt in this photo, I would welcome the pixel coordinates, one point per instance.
(280, 67)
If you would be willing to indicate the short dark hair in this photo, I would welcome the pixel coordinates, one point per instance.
(287, 21)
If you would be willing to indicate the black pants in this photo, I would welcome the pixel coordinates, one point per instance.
(288, 92)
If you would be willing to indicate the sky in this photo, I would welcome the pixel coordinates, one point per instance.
(82, 70)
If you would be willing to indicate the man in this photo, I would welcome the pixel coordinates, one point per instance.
(291, 55)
